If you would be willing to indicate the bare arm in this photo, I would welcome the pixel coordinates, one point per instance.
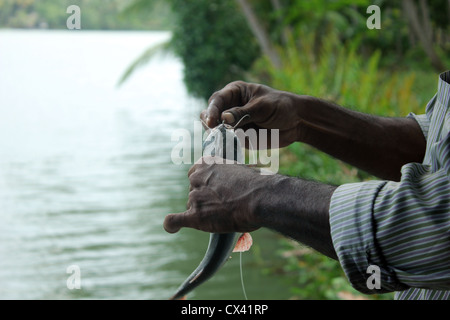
(375, 144)
(298, 209)
(219, 202)
(378, 145)
(235, 198)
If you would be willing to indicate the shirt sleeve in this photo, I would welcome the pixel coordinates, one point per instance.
(423, 122)
(402, 228)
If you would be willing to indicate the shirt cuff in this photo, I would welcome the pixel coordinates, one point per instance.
(423, 122)
(353, 231)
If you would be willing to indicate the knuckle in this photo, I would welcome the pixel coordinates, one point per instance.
(213, 96)
(203, 114)
(238, 83)
(194, 181)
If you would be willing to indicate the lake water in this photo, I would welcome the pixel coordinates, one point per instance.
(86, 176)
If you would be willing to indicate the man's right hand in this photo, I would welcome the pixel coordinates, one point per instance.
(266, 108)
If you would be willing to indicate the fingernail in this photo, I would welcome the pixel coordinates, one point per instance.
(228, 117)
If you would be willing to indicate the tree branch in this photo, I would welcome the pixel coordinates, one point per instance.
(409, 7)
(260, 33)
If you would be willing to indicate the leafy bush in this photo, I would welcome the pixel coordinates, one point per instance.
(317, 277)
(214, 42)
(339, 73)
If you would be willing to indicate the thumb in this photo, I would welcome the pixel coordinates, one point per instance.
(237, 115)
(175, 221)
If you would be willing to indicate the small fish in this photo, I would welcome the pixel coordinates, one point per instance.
(221, 245)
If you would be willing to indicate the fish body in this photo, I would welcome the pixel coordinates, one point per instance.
(220, 245)
(219, 249)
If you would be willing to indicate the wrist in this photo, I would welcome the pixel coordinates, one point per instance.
(298, 209)
(270, 197)
(301, 106)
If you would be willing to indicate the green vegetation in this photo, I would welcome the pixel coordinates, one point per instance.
(212, 39)
(329, 53)
(314, 276)
(214, 42)
(338, 73)
(95, 15)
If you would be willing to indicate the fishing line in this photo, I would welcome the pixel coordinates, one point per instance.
(245, 116)
(204, 123)
(223, 122)
(242, 276)
(254, 161)
(240, 253)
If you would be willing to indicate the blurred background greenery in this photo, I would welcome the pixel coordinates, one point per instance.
(315, 47)
(96, 15)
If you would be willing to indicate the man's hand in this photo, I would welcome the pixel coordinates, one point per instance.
(235, 198)
(378, 145)
(266, 109)
(221, 199)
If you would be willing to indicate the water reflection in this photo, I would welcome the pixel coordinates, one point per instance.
(85, 171)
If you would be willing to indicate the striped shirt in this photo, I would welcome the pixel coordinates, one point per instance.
(402, 228)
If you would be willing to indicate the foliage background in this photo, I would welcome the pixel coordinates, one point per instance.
(316, 47)
(96, 15)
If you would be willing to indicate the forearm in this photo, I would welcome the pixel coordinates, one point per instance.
(298, 209)
(378, 145)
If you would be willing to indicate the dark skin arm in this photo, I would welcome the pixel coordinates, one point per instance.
(378, 145)
(227, 198)
(219, 202)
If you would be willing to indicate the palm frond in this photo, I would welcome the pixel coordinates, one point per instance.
(144, 58)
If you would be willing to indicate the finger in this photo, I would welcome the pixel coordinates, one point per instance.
(196, 180)
(193, 197)
(189, 203)
(258, 110)
(239, 116)
(204, 119)
(171, 224)
(175, 221)
(195, 166)
(230, 96)
(192, 170)
(205, 160)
